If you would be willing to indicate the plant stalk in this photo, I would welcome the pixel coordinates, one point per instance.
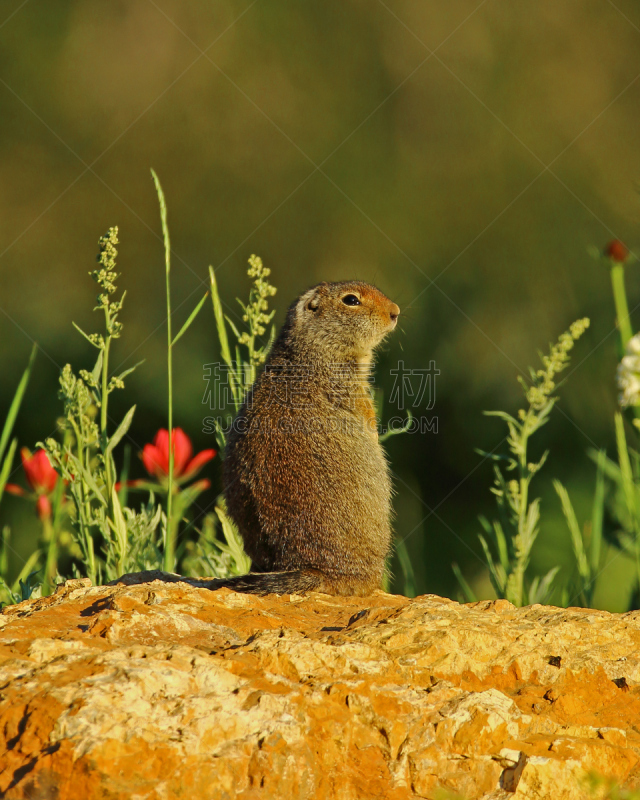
(103, 405)
(49, 536)
(622, 309)
(172, 529)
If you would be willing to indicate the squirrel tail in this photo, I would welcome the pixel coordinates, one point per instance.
(296, 581)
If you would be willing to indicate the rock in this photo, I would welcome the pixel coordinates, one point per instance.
(165, 689)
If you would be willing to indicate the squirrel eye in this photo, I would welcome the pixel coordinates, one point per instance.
(351, 300)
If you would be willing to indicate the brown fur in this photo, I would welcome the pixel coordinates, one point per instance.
(305, 478)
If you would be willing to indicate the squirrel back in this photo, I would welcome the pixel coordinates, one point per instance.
(305, 478)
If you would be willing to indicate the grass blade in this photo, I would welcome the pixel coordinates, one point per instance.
(16, 402)
(407, 568)
(169, 552)
(501, 544)
(219, 316)
(26, 570)
(466, 589)
(576, 533)
(232, 325)
(628, 485)
(5, 537)
(597, 514)
(496, 573)
(540, 588)
(192, 316)
(6, 466)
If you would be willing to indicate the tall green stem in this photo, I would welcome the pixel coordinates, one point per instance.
(49, 537)
(626, 332)
(172, 529)
(104, 394)
(622, 309)
(84, 505)
(169, 555)
(515, 583)
(51, 531)
(624, 326)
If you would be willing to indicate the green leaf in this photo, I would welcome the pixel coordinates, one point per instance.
(407, 568)
(272, 338)
(232, 325)
(121, 430)
(221, 436)
(26, 570)
(16, 402)
(234, 542)
(6, 466)
(547, 408)
(531, 525)
(219, 317)
(501, 542)
(5, 537)
(540, 588)
(502, 415)
(189, 495)
(494, 456)
(124, 374)
(86, 336)
(466, 589)
(27, 586)
(124, 476)
(143, 486)
(192, 316)
(625, 469)
(88, 478)
(541, 463)
(498, 580)
(97, 369)
(576, 534)
(119, 527)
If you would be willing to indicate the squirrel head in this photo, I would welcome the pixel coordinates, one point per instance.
(341, 321)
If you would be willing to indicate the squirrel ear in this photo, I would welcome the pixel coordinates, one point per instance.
(310, 301)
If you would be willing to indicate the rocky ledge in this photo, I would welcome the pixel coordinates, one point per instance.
(161, 689)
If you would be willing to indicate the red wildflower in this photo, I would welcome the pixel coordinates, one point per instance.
(155, 457)
(41, 477)
(617, 251)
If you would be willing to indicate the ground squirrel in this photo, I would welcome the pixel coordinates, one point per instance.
(305, 478)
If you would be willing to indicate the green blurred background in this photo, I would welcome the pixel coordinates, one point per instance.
(462, 156)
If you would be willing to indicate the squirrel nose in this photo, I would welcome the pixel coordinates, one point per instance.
(394, 312)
